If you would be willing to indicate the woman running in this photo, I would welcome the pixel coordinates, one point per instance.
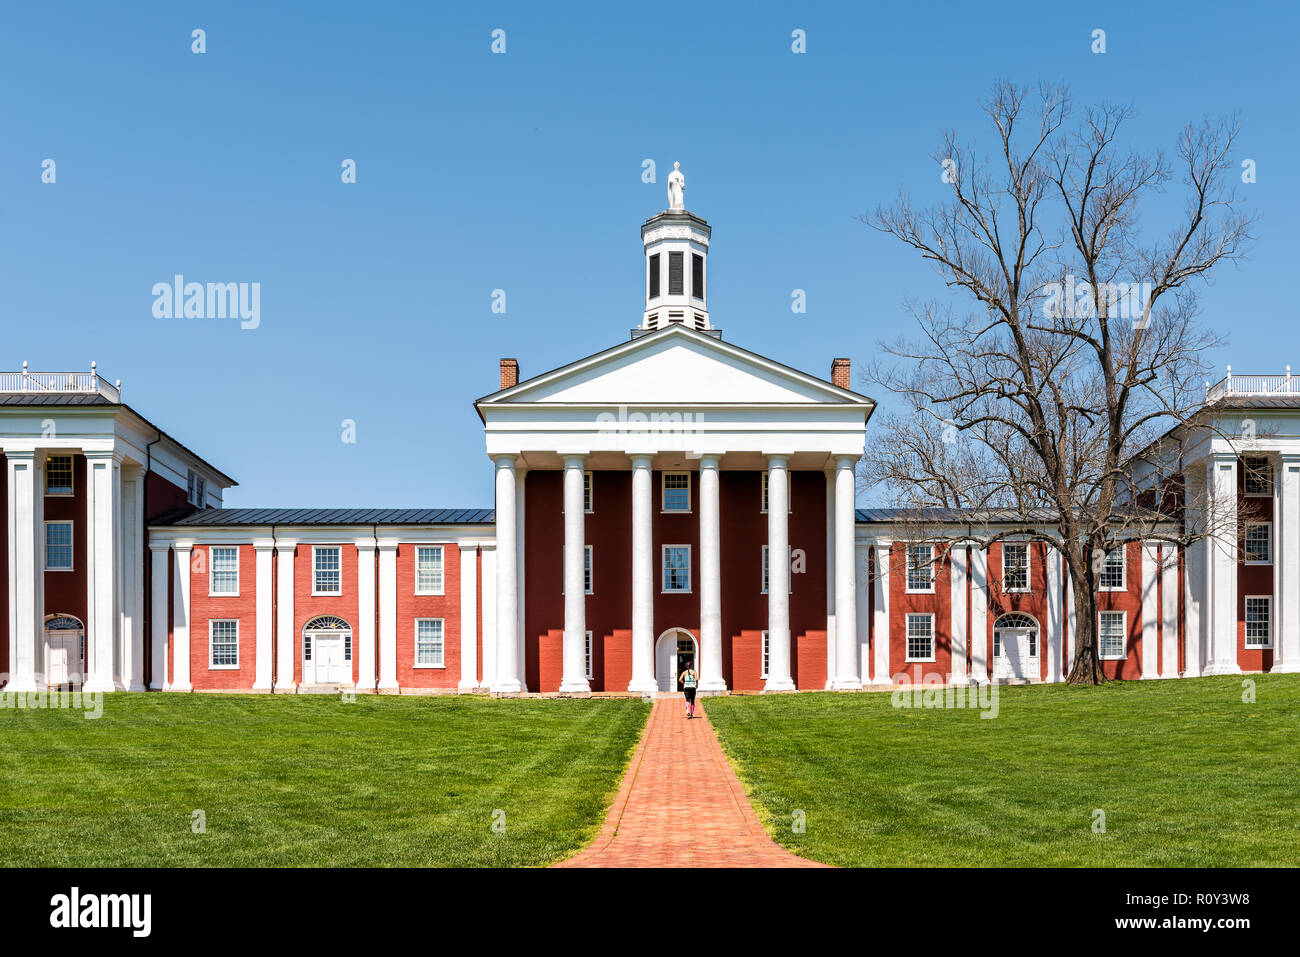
(688, 679)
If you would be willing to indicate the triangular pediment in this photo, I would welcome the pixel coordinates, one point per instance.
(676, 366)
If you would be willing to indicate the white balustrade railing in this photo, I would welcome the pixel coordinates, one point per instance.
(1252, 385)
(58, 383)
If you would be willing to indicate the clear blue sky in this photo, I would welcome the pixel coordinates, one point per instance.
(523, 172)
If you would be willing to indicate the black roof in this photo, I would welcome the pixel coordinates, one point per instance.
(331, 516)
(54, 398)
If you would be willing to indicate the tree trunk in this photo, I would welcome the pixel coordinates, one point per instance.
(1086, 669)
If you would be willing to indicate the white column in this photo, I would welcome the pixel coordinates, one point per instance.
(1149, 662)
(1071, 626)
(388, 615)
(521, 578)
(1221, 565)
(468, 617)
(778, 575)
(643, 579)
(132, 579)
(1286, 651)
(506, 679)
(957, 556)
(1169, 611)
(26, 543)
(831, 630)
(180, 619)
(862, 624)
(367, 680)
(285, 659)
(264, 611)
(574, 676)
(847, 677)
(158, 623)
(979, 610)
(103, 526)
(710, 577)
(487, 678)
(880, 627)
(1054, 631)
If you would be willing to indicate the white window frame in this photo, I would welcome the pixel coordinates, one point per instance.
(762, 500)
(590, 653)
(589, 569)
(1029, 568)
(663, 568)
(72, 546)
(72, 476)
(663, 494)
(441, 588)
(1245, 473)
(1123, 630)
(212, 572)
(765, 571)
(212, 666)
(317, 549)
(1245, 612)
(415, 649)
(764, 654)
(1268, 526)
(588, 493)
(907, 635)
(907, 576)
(1123, 585)
(196, 488)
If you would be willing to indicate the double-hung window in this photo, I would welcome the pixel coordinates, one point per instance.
(920, 568)
(428, 570)
(920, 637)
(58, 546)
(677, 568)
(1257, 477)
(1259, 543)
(1110, 635)
(1112, 570)
(224, 571)
(58, 475)
(767, 648)
(789, 505)
(590, 673)
(588, 500)
(1015, 566)
(327, 574)
(428, 643)
(1259, 621)
(223, 644)
(677, 492)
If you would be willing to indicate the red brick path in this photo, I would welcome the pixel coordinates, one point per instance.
(681, 804)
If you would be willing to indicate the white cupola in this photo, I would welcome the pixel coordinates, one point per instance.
(676, 254)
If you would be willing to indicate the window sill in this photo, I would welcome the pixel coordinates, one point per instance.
(223, 667)
(676, 511)
(1268, 647)
(60, 569)
(919, 661)
(1268, 562)
(431, 594)
(676, 591)
(327, 594)
(223, 594)
(919, 591)
(1120, 589)
(441, 667)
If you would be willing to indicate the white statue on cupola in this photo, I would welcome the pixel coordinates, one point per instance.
(677, 188)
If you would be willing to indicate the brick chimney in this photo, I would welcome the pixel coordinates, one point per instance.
(839, 374)
(509, 373)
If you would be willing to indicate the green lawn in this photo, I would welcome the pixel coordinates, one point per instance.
(310, 780)
(1187, 774)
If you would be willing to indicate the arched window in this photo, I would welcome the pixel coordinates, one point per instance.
(1015, 621)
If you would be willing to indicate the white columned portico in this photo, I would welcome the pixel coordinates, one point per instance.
(387, 600)
(468, 617)
(957, 557)
(1221, 564)
(506, 677)
(180, 618)
(1286, 651)
(26, 544)
(264, 570)
(159, 592)
(103, 526)
(979, 614)
(1168, 611)
(710, 576)
(778, 575)
(284, 625)
(521, 576)
(367, 677)
(1055, 632)
(880, 624)
(847, 677)
(574, 676)
(1149, 660)
(831, 624)
(643, 578)
(131, 581)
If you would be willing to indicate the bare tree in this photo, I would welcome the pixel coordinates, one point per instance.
(1074, 344)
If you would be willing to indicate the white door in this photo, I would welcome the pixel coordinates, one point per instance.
(666, 663)
(1013, 641)
(56, 662)
(327, 651)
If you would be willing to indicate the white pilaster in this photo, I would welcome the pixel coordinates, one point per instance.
(880, 626)
(1221, 565)
(862, 624)
(264, 610)
(1286, 652)
(957, 558)
(979, 615)
(574, 676)
(487, 678)
(1054, 634)
(285, 658)
(710, 576)
(778, 575)
(180, 618)
(847, 677)
(367, 679)
(1150, 609)
(103, 526)
(1071, 625)
(506, 678)
(159, 592)
(831, 631)
(388, 615)
(1169, 611)
(643, 579)
(132, 578)
(468, 617)
(521, 577)
(26, 543)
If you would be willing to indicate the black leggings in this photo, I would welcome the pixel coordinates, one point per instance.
(690, 695)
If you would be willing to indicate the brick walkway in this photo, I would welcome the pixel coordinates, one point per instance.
(681, 804)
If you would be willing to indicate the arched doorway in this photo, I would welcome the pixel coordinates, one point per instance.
(65, 651)
(1015, 648)
(675, 651)
(326, 651)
